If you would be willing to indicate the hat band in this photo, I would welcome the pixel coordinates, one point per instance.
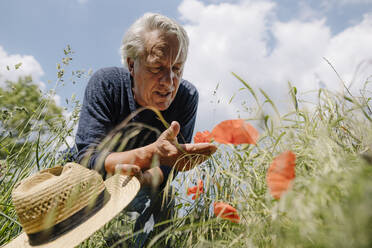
(70, 223)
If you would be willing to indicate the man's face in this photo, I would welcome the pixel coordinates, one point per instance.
(156, 73)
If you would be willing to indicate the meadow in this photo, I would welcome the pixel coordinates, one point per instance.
(328, 203)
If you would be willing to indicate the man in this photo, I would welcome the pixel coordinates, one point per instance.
(154, 52)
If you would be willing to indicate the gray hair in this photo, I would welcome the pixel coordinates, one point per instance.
(133, 43)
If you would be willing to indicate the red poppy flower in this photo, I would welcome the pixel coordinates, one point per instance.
(226, 211)
(203, 137)
(235, 132)
(281, 173)
(197, 190)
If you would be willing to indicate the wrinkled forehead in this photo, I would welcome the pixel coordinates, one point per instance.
(162, 48)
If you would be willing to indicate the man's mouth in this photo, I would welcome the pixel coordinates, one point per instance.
(163, 94)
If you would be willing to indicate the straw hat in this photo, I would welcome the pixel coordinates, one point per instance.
(63, 206)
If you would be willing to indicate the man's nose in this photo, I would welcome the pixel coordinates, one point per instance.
(167, 78)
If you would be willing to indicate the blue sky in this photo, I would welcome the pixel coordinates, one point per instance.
(268, 43)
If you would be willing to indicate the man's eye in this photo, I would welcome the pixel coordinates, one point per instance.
(155, 69)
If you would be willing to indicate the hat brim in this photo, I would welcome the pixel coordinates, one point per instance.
(120, 198)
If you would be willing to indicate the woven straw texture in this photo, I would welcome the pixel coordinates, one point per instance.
(121, 188)
(49, 197)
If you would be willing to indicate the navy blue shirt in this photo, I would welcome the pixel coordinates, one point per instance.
(109, 100)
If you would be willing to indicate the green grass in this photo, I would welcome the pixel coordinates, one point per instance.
(329, 204)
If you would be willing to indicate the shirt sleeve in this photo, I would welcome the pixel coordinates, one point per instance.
(96, 121)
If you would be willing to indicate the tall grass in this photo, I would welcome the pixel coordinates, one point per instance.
(29, 159)
(46, 145)
(328, 205)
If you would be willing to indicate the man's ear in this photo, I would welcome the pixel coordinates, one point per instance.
(130, 63)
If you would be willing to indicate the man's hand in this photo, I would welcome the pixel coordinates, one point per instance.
(183, 156)
(152, 177)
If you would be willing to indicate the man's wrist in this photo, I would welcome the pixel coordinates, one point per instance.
(141, 157)
(152, 177)
(146, 155)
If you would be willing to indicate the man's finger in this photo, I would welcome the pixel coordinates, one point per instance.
(173, 130)
(127, 169)
(200, 148)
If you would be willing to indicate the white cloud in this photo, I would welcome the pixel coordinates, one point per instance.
(29, 67)
(299, 49)
(349, 49)
(224, 38)
(248, 39)
(57, 99)
(306, 12)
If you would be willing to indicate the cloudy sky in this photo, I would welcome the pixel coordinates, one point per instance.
(267, 43)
